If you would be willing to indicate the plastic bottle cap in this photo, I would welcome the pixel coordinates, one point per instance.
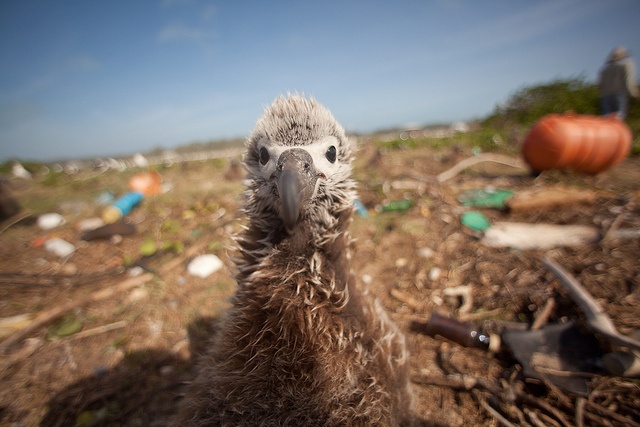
(111, 214)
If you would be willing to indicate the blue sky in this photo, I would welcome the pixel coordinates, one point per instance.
(100, 78)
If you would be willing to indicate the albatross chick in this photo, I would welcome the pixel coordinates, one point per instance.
(301, 344)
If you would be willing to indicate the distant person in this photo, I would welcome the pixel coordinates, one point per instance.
(616, 82)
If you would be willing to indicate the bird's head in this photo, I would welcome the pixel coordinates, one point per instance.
(298, 162)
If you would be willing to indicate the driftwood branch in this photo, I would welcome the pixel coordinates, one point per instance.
(466, 163)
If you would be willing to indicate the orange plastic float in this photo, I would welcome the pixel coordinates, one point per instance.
(583, 143)
(148, 183)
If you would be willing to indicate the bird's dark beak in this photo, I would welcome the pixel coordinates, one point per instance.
(296, 178)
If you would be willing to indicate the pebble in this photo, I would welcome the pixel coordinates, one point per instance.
(402, 262)
(434, 274)
(425, 252)
(166, 370)
(138, 294)
(69, 269)
(135, 271)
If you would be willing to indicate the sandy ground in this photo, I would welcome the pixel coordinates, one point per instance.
(117, 348)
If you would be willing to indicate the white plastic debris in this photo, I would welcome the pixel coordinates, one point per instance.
(59, 247)
(538, 236)
(19, 171)
(88, 224)
(140, 161)
(50, 220)
(204, 265)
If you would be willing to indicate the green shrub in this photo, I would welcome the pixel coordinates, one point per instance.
(530, 103)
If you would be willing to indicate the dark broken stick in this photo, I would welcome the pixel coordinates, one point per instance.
(597, 319)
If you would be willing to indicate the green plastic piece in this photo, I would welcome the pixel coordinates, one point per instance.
(475, 220)
(485, 198)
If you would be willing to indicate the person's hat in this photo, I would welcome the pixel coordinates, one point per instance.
(618, 53)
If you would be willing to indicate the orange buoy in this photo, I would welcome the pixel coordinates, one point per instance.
(583, 143)
(148, 183)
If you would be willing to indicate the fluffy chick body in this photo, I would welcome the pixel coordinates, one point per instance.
(301, 344)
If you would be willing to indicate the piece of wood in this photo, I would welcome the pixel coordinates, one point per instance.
(99, 330)
(543, 315)
(471, 161)
(405, 299)
(495, 414)
(549, 198)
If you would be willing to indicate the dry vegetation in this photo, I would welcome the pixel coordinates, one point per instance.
(116, 349)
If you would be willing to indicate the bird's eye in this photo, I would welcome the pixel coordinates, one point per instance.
(331, 154)
(264, 156)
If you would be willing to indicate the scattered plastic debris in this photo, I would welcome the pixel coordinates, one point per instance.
(204, 265)
(59, 247)
(360, 208)
(553, 349)
(89, 224)
(397, 206)
(19, 171)
(622, 364)
(140, 160)
(122, 206)
(109, 230)
(147, 183)
(485, 198)
(475, 220)
(49, 221)
(579, 142)
(538, 236)
(466, 334)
